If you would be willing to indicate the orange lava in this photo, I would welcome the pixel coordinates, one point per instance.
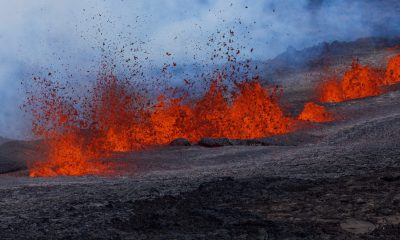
(393, 71)
(57, 121)
(358, 82)
(115, 118)
(255, 112)
(69, 157)
(315, 113)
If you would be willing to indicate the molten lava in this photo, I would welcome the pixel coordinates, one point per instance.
(393, 70)
(116, 118)
(69, 157)
(315, 113)
(255, 112)
(358, 82)
(57, 121)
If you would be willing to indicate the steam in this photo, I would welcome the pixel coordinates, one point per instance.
(66, 38)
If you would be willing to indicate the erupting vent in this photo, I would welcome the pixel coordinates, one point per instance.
(393, 71)
(315, 113)
(80, 131)
(114, 117)
(360, 82)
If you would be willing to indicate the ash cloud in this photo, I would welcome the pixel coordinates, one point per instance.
(66, 37)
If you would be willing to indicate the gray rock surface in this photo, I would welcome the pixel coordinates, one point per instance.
(215, 142)
(180, 142)
(14, 155)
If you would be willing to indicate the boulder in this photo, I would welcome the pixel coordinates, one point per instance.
(180, 142)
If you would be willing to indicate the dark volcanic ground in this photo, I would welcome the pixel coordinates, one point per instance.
(331, 181)
(341, 182)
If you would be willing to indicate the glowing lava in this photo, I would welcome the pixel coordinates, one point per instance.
(315, 113)
(393, 71)
(57, 121)
(358, 82)
(115, 118)
(69, 157)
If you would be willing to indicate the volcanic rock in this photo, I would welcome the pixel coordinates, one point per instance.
(180, 142)
(357, 226)
(391, 178)
(396, 200)
(360, 201)
(215, 142)
(291, 139)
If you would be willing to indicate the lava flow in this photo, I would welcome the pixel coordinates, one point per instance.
(80, 131)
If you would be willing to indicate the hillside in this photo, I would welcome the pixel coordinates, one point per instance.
(323, 55)
(4, 140)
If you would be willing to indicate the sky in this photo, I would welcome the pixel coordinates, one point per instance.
(70, 37)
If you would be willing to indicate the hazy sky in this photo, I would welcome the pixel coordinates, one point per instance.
(65, 36)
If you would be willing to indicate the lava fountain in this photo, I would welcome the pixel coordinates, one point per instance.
(393, 71)
(313, 112)
(357, 82)
(81, 130)
(360, 82)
